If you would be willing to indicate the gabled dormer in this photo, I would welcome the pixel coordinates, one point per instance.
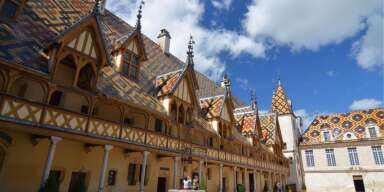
(177, 91)
(129, 51)
(78, 53)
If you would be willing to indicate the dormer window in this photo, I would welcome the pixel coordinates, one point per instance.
(131, 65)
(326, 136)
(372, 132)
(9, 9)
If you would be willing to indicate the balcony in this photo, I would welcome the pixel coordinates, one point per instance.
(29, 113)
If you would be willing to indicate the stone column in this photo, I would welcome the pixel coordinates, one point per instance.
(48, 162)
(270, 187)
(254, 181)
(144, 166)
(221, 178)
(234, 178)
(175, 171)
(201, 164)
(104, 167)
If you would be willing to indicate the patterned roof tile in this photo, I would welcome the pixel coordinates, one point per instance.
(338, 124)
(280, 101)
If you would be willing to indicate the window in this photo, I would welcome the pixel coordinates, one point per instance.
(378, 155)
(209, 173)
(330, 154)
(372, 132)
(84, 109)
(131, 174)
(112, 177)
(310, 159)
(86, 78)
(56, 98)
(353, 156)
(131, 65)
(9, 9)
(158, 125)
(326, 136)
(210, 142)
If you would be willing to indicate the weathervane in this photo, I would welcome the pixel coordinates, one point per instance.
(138, 22)
(190, 51)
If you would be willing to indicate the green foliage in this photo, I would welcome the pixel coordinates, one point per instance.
(202, 183)
(51, 185)
(240, 188)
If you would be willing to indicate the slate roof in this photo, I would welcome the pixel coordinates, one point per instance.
(280, 101)
(269, 128)
(355, 122)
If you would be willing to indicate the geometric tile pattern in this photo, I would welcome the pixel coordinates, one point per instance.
(269, 128)
(280, 101)
(167, 82)
(212, 106)
(338, 124)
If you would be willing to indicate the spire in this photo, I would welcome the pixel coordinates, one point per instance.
(138, 21)
(253, 100)
(190, 52)
(281, 104)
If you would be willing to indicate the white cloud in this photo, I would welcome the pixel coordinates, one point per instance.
(365, 104)
(181, 18)
(369, 50)
(308, 24)
(222, 4)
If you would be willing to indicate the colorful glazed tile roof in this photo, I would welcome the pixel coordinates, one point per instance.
(212, 106)
(280, 101)
(166, 83)
(354, 122)
(41, 23)
(269, 128)
(247, 120)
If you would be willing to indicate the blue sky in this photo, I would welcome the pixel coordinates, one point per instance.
(329, 54)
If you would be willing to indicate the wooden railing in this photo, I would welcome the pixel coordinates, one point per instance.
(51, 117)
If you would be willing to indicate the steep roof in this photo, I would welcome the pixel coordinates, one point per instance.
(41, 23)
(355, 122)
(269, 128)
(280, 101)
(248, 121)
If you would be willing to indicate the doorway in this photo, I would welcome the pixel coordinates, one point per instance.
(359, 183)
(251, 183)
(224, 185)
(162, 184)
(77, 182)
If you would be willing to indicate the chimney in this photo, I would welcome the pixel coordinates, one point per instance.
(164, 40)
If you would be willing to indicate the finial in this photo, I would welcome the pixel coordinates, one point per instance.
(278, 77)
(190, 52)
(226, 83)
(138, 22)
(99, 6)
(253, 99)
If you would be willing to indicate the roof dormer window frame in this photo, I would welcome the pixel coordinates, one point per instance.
(372, 126)
(18, 7)
(323, 139)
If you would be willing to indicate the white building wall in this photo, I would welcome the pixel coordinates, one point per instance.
(339, 178)
(290, 131)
